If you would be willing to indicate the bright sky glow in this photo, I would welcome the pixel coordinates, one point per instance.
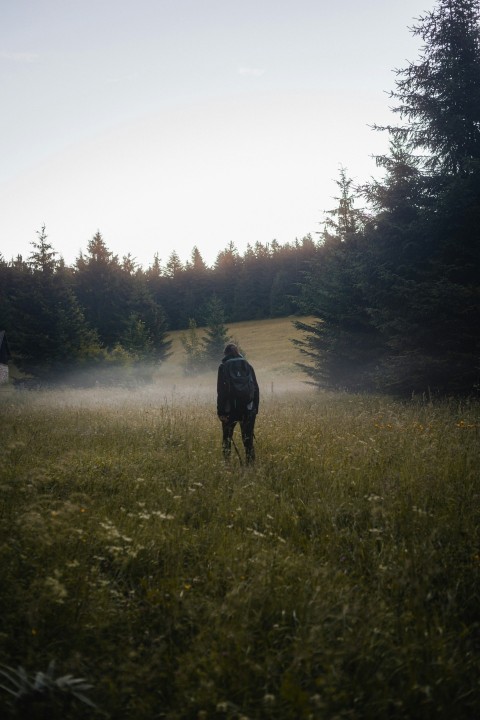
(172, 123)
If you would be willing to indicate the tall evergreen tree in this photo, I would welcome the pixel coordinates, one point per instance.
(137, 340)
(342, 345)
(439, 95)
(227, 266)
(196, 282)
(43, 256)
(97, 286)
(402, 296)
(216, 335)
(280, 301)
(50, 335)
(434, 303)
(193, 347)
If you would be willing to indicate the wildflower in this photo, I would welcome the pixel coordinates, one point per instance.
(256, 533)
(163, 516)
(57, 589)
(115, 549)
(112, 531)
(132, 553)
(464, 425)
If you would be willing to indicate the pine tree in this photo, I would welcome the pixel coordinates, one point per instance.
(194, 352)
(98, 286)
(342, 345)
(227, 266)
(49, 336)
(43, 256)
(428, 246)
(280, 302)
(439, 95)
(174, 265)
(137, 340)
(155, 321)
(196, 280)
(216, 336)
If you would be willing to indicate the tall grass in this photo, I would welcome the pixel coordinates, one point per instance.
(338, 578)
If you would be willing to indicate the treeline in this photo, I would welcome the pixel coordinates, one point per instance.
(262, 282)
(394, 281)
(103, 312)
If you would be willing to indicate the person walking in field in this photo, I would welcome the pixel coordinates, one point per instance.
(238, 399)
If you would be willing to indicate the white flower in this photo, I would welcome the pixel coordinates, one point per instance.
(58, 590)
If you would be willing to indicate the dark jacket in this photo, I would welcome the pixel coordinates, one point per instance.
(224, 401)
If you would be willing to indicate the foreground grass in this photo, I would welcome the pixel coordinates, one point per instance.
(337, 579)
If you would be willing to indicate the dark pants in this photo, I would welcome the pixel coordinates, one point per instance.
(247, 424)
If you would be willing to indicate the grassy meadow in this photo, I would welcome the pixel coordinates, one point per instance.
(336, 579)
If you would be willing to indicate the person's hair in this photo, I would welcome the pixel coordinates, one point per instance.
(231, 349)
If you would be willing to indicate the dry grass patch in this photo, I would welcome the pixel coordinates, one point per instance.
(267, 345)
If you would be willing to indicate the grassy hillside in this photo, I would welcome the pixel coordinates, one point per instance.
(267, 345)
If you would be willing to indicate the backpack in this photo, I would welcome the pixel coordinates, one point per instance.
(240, 381)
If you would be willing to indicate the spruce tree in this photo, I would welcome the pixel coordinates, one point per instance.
(98, 286)
(216, 336)
(194, 353)
(430, 254)
(50, 336)
(439, 95)
(342, 345)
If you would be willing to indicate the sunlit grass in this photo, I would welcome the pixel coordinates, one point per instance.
(267, 347)
(336, 579)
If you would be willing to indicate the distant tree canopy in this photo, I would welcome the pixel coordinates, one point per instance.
(108, 310)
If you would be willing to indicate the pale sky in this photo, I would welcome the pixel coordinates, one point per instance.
(172, 123)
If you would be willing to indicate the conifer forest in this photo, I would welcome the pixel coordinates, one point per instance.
(391, 279)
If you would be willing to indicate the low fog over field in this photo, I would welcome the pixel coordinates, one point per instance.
(266, 344)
